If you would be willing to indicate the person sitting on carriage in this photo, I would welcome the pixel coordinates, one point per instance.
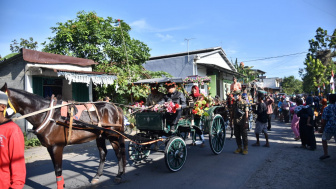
(155, 96)
(196, 96)
(176, 97)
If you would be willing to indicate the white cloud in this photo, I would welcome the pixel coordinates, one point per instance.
(139, 24)
(230, 51)
(164, 37)
(289, 67)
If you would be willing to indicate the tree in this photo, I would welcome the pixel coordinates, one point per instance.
(244, 70)
(290, 85)
(106, 41)
(319, 61)
(27, 44)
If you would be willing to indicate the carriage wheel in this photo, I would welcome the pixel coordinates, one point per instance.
(138, 152)
(217, 134)
(175, 153)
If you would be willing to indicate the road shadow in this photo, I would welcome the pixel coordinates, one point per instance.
(154, 171)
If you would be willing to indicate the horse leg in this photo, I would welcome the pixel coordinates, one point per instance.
(100, 141)
(56, 154)
(119, 149)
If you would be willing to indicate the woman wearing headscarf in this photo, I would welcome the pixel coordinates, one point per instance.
(196, 96)
(306, 128)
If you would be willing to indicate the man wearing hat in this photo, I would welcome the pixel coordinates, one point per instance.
(106, 99)
(240, 121)
(12, 162)
(155, 96)
(177, 98)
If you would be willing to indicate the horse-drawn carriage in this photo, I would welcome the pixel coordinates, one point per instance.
(106, 121)
(154, 127)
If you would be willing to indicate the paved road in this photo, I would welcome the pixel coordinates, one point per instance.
(202, 169)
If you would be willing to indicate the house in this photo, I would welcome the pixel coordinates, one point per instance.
(211, 62)
(45, 74)
(272, 85)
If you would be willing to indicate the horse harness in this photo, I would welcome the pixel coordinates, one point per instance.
(69, 122)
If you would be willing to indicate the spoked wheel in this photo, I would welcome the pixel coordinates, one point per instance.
(217, 134)
(138, 152)
(175, 153)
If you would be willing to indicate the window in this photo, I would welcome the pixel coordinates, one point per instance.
(45, 87)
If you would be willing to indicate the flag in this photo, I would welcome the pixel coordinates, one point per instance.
(117, 24)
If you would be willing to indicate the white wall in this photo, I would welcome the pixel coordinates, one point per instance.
(61, 67)
(215, 59)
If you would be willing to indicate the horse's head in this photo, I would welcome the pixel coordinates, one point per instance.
(24, 102)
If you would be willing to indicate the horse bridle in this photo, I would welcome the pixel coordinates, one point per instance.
(10, 105)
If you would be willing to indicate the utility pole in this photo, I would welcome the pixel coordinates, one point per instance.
(188, 45)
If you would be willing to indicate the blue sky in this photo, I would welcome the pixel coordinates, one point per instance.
(247, 30)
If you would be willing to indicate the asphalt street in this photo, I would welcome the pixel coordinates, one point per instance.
(202, 169)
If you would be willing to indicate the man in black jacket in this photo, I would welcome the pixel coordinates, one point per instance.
(177, 98)
(261, 123)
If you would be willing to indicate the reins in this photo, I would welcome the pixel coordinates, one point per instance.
(113, 131)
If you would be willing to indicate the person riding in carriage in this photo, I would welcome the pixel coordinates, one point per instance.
(176, 97)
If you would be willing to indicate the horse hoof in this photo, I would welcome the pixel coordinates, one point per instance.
(94, 181)
(117, 180)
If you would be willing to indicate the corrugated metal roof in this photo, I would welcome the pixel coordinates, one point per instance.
(198, 52)
(160, 80)
(186, 53)
(83, 72)
(49, 58)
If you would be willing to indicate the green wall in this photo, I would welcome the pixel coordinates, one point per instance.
(212, 85)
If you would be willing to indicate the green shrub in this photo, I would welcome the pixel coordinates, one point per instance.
(31, 142)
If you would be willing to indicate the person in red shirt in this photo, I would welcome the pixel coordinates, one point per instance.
(12, 162)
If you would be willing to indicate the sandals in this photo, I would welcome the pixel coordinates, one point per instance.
(324, 157)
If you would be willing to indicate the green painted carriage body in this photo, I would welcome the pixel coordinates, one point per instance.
(150, 121)
(154, 121)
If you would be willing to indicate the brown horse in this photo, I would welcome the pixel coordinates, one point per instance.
(55, 137)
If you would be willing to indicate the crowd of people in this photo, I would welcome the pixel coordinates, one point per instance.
(304, 112)
(307, 116)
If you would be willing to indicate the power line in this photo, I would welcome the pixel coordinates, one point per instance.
(274, 57)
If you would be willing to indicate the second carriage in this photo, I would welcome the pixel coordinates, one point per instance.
(153, 127)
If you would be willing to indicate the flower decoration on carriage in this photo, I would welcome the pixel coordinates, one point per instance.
(139, 105)
(201, 107)
(169, 107)
(169, 84)
(197, 79)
